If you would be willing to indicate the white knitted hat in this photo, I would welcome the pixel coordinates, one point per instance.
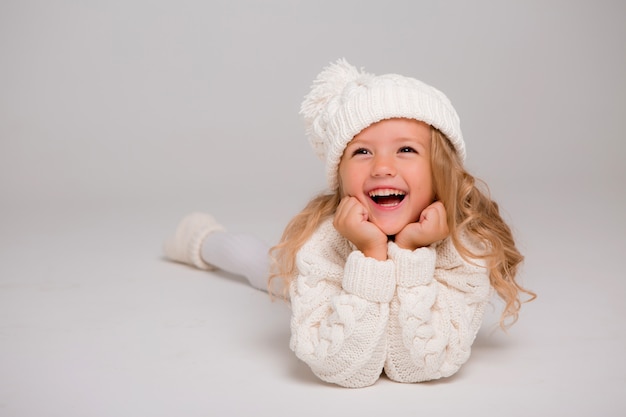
(343, 101)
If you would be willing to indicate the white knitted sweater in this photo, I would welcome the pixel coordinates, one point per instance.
(414, 315)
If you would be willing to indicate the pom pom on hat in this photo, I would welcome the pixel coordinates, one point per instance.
(317, 105)
(343, 101)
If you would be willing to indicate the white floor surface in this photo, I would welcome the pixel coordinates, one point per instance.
(118, 117)
(94, 323)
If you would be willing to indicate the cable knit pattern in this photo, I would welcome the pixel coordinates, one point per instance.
(415, 315)
(345, 100)
(340, 335)
(434, 319)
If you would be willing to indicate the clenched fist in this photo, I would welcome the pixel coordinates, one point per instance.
(431, 227)
(351, 221)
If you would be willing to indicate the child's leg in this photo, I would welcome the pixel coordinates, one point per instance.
(239, 254)
(202, 242)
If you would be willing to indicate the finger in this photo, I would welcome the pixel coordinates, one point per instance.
(343, 206)
(434, 209)
(359, 210)
(439, 218)
(442, 213)
(441, 209)
(346, 211)
(426, 214)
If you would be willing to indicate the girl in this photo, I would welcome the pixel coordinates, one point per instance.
(392, 269)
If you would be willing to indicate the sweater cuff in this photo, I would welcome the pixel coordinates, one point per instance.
(368, 278)
(413, 267)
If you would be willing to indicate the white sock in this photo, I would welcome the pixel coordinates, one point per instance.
(240, 254)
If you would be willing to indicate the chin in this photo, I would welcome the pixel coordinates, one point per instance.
(390, 230)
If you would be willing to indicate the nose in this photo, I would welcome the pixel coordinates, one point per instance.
(383, 166)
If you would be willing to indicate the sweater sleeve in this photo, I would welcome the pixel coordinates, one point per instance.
(340, 311)
(436, 314)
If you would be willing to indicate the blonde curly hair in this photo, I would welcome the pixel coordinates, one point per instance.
(470, 212)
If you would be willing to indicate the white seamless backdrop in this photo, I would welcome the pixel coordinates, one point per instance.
(118, 117)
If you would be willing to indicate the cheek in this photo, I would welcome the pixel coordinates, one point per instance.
(422, 179)
(347, 180)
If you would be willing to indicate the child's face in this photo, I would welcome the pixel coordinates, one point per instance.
(387, 169)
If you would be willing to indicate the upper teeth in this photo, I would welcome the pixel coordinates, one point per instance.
(385, 192)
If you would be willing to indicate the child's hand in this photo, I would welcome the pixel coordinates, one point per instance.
(432, 227)
(351, 221)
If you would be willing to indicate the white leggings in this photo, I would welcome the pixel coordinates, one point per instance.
(239, 254)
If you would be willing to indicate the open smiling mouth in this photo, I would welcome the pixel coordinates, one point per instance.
(387, 197)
